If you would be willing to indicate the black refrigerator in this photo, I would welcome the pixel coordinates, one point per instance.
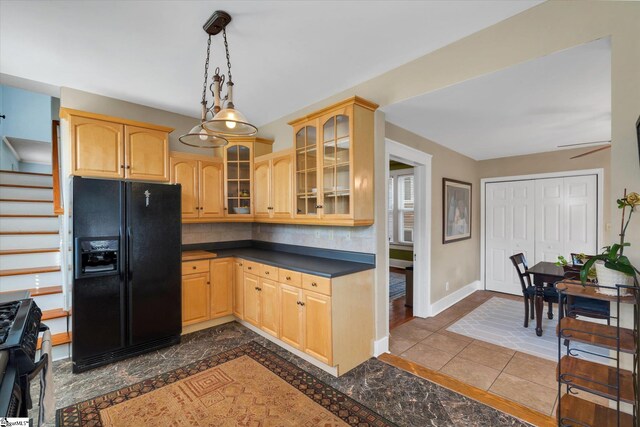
(127, 269)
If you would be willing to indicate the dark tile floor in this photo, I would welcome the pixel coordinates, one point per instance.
(395, 394)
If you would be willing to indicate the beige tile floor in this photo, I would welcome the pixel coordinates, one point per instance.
(526, 379)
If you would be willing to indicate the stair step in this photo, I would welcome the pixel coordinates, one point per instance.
(22, 271)
(10, 242)
(30, 281)
(29, 223)
(29, 260)
(575, 410)
(41, 187)
(17, 178)
(3, 171)
(597, 334)
(13, 192)
(26, 207)
(57, 339)
(47, 290)
(28, 251)
(54, 314)
(596, 378)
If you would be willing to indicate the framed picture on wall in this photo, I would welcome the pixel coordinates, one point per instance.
(456, 210)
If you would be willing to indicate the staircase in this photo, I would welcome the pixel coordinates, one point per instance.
(30, 257)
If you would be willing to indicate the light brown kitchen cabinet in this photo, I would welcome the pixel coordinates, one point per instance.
(317, 326)
(334, 164)
(238, 289)
(273, 186)
(195, 298)
(291, 316)
(111, 147)
(269, 306)
(201, 182)
(221, 292)
(251, 299)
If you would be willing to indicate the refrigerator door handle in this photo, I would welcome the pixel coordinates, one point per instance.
(129, 249)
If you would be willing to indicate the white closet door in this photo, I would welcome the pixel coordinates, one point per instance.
(580, 215)
(509, 230)
(549, 219)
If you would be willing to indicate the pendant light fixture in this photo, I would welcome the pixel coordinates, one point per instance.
(211, 132)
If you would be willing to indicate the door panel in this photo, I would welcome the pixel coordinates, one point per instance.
(211, 184)
(269, 307)
(291, 330)
(155, 261)
(281, 188)
(195, 297)
(317, 326)
(581, 215)
(251, 300)
(98, 147)
(509, 230)
(185, 173)
(261, 189)
(549, 219)
(221, 287)
(238, 289)
(147, 154)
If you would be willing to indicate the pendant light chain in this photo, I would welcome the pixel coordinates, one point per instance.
(226, 48)
(206, 73)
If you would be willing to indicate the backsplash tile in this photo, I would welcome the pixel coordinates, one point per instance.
(217, 232)
(357, 239)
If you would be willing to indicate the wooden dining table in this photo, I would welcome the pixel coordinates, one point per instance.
(544, 272)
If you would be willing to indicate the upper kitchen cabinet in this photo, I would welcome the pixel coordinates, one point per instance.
(273, 188)
(334, 165)
(110, 147)
(238, 176)
(201, 178)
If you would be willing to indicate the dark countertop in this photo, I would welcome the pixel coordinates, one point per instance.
(316, 265)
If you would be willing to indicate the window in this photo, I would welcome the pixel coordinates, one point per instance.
(401, 203)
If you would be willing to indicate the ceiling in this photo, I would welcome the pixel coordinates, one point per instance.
(559, 99)
(30, 151)
(285, 55)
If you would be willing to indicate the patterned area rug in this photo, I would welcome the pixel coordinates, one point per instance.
(500, 321)
(397, 285)
(246, 386)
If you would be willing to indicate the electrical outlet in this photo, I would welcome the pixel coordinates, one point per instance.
(446, 286)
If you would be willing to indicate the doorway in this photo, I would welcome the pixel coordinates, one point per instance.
(408, 231)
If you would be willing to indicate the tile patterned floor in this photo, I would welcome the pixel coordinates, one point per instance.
(523, 378)
(399, 396)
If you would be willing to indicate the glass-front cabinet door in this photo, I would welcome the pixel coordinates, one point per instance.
(336, 164)
(238, 179)
(306, 186)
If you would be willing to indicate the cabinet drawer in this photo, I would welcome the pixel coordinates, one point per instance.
(192, 267)
(269, 271)
(293, 278)
(316, 284)
(251, 267)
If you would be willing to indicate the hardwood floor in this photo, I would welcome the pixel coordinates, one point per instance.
(399, 313)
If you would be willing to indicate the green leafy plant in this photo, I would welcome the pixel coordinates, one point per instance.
(613, 256)
(562, 261)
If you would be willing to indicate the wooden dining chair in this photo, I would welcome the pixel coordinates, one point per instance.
(528, 289)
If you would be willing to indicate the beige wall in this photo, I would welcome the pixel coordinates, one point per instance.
(85, 101)
(445, 258)
(553, 161)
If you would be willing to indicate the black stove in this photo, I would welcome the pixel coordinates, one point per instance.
(19, 329)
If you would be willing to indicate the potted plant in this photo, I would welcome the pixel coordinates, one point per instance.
(612, 266)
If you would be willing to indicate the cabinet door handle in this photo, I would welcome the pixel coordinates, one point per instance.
(298, 302)
(257, 288)
(240, 264)
(194, 267)
(248, 268)
(301, 303)
(314, 284)
(208, 283)
(288, 277)
(121, 166)
(318, 206)
(266, 272)
(128, 166)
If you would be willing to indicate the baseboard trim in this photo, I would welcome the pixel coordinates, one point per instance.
(454, 297)
(207, 324)
(381, 346)
(329, 369)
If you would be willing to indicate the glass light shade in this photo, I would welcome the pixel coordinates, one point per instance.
(200, 137)
(230, 122)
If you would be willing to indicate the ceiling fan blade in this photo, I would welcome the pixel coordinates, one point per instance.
(590, 152)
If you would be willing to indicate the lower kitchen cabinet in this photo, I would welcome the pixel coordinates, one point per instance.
(251, 299)
(291, 321)
(221, 271)
(317, 324)
(195, 298)
(238, 289)
(269, 306)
